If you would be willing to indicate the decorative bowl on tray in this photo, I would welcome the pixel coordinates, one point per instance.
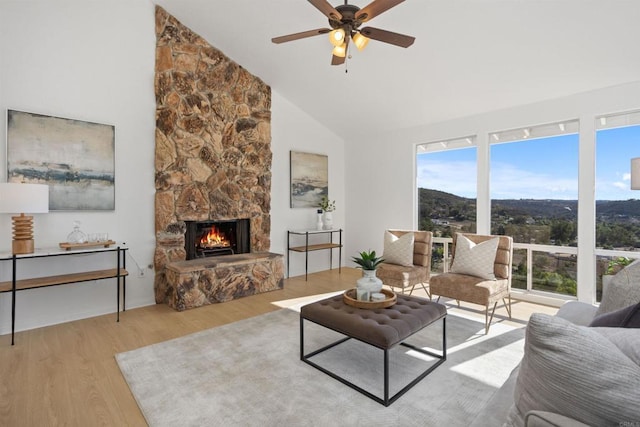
(350, 298)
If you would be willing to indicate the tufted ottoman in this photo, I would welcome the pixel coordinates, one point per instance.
(381, 328)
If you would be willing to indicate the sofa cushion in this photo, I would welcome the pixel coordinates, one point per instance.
(549, 419)
(628, 317)
(577, 372)
(577, 312)
(398, 250)
(475, 259)
(623, 290)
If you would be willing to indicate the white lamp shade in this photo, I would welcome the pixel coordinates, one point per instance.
(635, 173)
(24, 198)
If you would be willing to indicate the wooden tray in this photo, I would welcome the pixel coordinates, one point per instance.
(349, 298)
(69, 246)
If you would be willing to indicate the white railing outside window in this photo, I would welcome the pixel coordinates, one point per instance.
(524, 253)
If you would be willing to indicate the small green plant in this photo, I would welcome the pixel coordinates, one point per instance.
(617, 264)
(327, 205)
(368, 260)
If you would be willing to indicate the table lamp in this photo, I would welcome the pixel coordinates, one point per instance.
(19, 198)
(635, 173)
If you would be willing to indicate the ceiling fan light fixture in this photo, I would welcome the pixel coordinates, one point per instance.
(340, 51)
(336, 37)
(360, 41)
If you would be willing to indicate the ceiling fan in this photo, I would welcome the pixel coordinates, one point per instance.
(345, 21)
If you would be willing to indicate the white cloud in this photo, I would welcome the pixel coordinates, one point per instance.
(510, 182)
(458, 177)
(621, 185)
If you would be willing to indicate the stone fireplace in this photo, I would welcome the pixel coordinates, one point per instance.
(213, 152)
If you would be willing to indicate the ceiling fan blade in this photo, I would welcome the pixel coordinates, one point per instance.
(388, 36)
(337, 60)
(325, 7)
(375, 8)
(302, 35)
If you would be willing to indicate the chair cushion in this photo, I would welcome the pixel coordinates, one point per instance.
(400, 276)
(475, 259)
(578, 372)
(468, 288)
(398, 250)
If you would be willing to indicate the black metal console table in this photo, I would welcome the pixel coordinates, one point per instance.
(15, 284)
(306, 248)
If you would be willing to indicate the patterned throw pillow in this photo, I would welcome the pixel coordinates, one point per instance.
(475, 259)
(398, 250)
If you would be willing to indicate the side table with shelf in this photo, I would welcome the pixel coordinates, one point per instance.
(306, 248)
(14, 285)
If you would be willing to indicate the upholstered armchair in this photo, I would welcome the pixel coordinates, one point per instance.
(407, 262)
(474, 279)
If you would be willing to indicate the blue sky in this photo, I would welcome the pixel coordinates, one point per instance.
(544, 168)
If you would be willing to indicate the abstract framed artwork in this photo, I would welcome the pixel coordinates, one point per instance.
(75, 158)
(309, 179)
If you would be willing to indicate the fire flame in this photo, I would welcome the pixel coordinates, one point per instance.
(214, 239)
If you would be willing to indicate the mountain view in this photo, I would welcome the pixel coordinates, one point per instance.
(532, 221)
(545, 222)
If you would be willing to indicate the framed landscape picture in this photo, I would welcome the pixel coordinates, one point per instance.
(75, 158)
(309, 179)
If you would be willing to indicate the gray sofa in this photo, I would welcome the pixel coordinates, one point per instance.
(572, 374)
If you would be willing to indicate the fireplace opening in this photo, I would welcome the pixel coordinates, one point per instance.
(214, 238)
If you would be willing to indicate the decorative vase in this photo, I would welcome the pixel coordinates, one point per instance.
(328, 220)
(369, 282)
(76, 236)
(319, 222)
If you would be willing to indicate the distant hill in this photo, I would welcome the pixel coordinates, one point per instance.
(436, 204)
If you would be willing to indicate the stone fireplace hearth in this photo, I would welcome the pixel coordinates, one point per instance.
(213, 144)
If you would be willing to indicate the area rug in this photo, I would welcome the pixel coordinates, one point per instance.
(249, 373)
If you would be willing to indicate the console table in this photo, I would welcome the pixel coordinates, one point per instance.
(14, 285)
(306, 248)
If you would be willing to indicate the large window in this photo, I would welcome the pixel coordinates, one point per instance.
(534, 184)
(446, 181)
(534, 199)
(617, 206)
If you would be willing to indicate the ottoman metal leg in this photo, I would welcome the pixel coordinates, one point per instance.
(386, 400)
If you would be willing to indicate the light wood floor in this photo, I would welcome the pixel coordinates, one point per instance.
(67, 374)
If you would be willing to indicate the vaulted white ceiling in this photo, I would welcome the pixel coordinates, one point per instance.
(469, 57)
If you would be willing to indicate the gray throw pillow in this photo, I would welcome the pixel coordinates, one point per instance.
(576, 371)
(623, 290)
(628, 317)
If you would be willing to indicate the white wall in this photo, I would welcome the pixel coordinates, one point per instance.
(90, 61)
(94, 61)
(292, 129)
(390, 162)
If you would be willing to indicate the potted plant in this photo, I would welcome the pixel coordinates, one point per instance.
(368, 261)
(327, 206)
